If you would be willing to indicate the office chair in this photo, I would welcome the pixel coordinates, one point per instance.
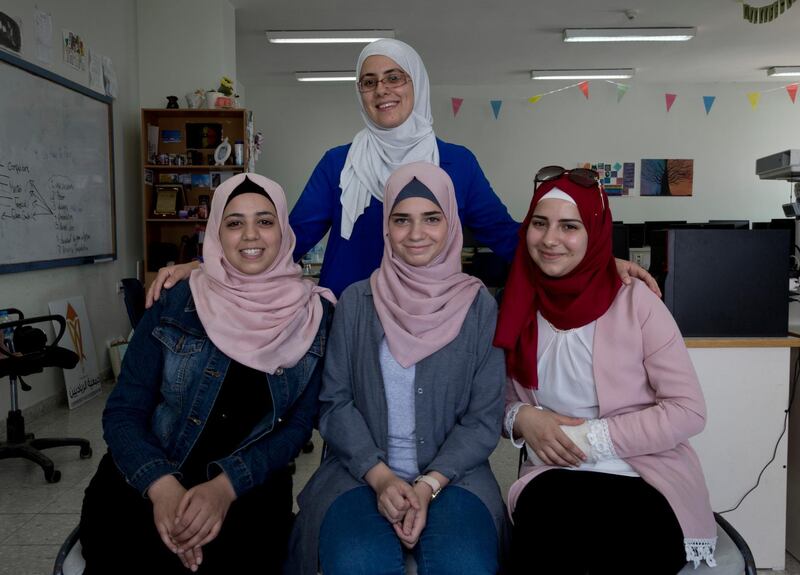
(23, 351)
(134, 295)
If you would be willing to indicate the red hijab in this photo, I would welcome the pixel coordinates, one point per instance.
(567, 302)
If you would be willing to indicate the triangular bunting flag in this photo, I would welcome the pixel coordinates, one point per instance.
(496, 107)
(708, 101)
(754, 97)
(621, 90)
(534, 99)
(670, 100)
(456, 102)
(792, 89)
(584, 86)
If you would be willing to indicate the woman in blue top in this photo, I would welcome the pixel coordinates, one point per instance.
(345, 191)
(217, 394)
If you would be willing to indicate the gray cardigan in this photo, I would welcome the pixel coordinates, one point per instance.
(459, 410)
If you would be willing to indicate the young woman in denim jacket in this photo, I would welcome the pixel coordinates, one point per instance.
(218, 393)
(411, 406)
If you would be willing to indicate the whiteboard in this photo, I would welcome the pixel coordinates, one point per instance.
(56, 170)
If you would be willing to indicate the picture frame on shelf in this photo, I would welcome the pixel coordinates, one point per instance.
(169, 198)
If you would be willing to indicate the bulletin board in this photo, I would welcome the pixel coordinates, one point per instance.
(56, 170)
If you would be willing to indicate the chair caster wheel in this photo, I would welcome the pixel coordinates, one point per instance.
(53, 477)
(308, 447)
(86, 452)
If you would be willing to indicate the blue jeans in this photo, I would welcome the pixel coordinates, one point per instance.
(459, 537)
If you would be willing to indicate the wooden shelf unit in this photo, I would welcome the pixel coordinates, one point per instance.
(164, 236)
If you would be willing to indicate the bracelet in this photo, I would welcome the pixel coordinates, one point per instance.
(432, 482)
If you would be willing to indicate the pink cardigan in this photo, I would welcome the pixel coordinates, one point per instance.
(650, 397)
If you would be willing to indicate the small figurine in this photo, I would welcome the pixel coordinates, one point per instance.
(172, 102)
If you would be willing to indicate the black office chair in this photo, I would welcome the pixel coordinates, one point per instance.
(23, 351)
(134, 295)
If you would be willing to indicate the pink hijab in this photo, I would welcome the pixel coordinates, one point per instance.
(422, 309)
(265, 321)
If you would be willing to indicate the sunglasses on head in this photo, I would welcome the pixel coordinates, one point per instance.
(581, 176)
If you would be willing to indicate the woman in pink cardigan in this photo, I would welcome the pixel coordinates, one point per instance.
(602, 395)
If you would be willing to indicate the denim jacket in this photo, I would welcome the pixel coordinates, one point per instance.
(170, 379)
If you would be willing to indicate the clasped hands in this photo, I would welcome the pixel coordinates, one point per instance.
(188, 519)
(403, 505)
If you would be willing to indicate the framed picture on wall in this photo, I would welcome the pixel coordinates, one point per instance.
(169, 198)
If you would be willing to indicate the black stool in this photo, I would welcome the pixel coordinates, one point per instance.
(23, 351)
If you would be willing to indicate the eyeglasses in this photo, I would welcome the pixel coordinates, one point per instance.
(581, 176)
(391, 80)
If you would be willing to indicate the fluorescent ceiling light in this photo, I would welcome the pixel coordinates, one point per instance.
(615, 74)
(783, 71)
(628, 34)
(345, 76)
(327, 36)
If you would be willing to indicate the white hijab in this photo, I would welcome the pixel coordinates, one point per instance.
(376, 152)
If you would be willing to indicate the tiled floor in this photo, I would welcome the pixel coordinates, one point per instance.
(36, 517)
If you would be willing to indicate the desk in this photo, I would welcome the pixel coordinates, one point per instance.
(746, 386)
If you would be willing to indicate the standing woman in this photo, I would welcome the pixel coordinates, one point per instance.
(344, 194)
(218, 393)
(411, 405)
(603, 396)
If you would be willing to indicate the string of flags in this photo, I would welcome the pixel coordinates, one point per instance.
(669, 98)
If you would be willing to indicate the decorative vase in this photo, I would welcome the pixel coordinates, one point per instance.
(211, 98)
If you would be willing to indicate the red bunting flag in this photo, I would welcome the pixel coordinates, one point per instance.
(792, 89)
(670, 100)
(584, 86)
(456, 102)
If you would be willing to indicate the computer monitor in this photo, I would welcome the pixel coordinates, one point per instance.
(727, 283)
(636, 235)
(654, 226)
(735, 224)
(786, 224)
(620, 244)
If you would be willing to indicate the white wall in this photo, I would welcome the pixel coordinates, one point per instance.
(108, 26)
(301, 122)
(184, 45)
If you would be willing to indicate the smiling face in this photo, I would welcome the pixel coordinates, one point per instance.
(417, 231)
(556, 237)
(386, 107)
(250, 233)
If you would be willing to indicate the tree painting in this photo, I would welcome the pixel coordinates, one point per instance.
(667, 177)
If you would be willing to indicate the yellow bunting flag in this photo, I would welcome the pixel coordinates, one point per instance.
(754, 97)
(536, 98)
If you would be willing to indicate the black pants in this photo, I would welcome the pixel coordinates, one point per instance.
(579, 522)
(118, 534)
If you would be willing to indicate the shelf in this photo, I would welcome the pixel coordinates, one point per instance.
(175, 220)
(194, 112)
(193, 167)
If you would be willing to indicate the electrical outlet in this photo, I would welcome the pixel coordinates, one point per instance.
(640, 256)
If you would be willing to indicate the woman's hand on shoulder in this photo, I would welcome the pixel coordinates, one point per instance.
(167, 277)
(541, 430)
(627, 270)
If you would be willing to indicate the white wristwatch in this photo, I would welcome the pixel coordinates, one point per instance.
(434, 484)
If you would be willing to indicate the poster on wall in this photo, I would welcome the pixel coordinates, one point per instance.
(10, 33)
(617, 177)
(74, 50)
(82, 382)
(667, 177)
